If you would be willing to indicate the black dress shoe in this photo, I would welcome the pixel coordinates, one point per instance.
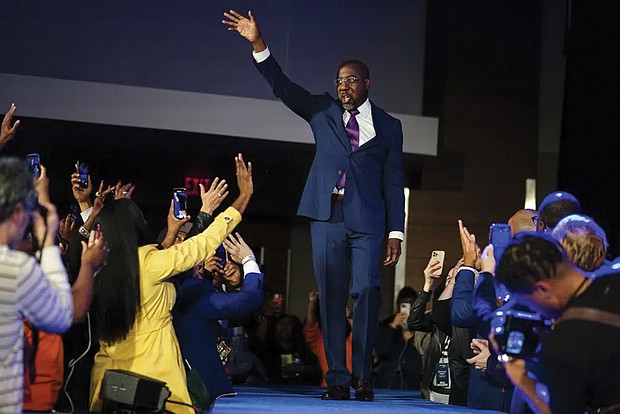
(336, 392)
(364, 391)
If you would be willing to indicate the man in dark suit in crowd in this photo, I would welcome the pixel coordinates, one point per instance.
(353, 194)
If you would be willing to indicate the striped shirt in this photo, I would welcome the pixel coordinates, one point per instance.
(40, 293)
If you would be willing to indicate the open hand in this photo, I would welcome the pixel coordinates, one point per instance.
(244, 176)
(237, 248)
(212, 199)
(246, 27)
(123, 191)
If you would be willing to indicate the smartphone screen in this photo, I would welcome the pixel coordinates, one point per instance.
(499, 237)
(82, 170)
(34, 164)
(180, 203)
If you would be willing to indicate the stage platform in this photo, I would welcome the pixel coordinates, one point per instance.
(306, 399)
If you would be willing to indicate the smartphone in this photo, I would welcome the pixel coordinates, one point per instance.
(34, 164)
(499, 236)
(221, 254)
(439, 255)
(82, 170)
(180, 202)
(405, 308)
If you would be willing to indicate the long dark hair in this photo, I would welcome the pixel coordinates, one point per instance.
(117, 288)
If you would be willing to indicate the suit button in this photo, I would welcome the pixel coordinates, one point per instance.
(339, 172)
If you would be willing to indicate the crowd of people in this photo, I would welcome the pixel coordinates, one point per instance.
(529, 325)
(196, 293)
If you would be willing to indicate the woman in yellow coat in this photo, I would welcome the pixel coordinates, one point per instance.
(135, 296)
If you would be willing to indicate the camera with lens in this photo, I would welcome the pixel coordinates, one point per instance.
(518, 333)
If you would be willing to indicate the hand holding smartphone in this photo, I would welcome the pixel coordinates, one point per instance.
(82, 170)
(34, 164)
(180, 202)
(405, 308)
(438, 255)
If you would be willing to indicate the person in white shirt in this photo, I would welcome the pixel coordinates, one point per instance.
(39, 292)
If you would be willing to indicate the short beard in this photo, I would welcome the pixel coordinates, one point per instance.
(348, 106)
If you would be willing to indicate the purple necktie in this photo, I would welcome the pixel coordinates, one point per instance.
(353, 131)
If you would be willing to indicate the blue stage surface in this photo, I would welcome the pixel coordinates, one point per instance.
(306, 399)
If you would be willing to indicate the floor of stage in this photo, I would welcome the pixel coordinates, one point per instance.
(305, 399)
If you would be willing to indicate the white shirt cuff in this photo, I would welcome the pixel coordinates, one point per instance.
(250, 267)
(396, 235)
(261, 56)
(86, 214)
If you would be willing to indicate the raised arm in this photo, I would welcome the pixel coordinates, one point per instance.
(162, 264)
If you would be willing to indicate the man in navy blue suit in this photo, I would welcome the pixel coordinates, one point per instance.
(353, 196)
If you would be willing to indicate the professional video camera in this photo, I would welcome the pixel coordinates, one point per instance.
(518, 333)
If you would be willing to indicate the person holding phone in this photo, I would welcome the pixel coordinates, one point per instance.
(399, 363)
(135, 294)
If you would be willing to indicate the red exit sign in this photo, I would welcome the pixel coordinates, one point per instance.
(191, 183)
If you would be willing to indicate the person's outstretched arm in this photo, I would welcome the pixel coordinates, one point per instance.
(294, 96)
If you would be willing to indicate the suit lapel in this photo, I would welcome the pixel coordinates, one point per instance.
(335, 119)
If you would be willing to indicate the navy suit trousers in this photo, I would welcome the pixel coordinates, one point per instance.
(339, 254)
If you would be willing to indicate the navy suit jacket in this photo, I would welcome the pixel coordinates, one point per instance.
(196, 315)
(463, 314)
(374, 196)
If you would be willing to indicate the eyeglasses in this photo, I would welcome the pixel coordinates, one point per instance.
(538, 223)
(348, 80)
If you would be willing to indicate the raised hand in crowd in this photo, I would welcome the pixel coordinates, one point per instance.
(7, 131)
(212, 199)
(95, 251)
(247, 27)
(45, 229)
(432, 274)
(123, 191)
(237, 248)
(94, 255)
(469, 246)
(98, 204)
(81, 194)
(173, 226)
(67, 227)
(399, 320)
(245, 184)
(451, 280)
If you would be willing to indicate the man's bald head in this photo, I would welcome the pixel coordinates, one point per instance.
(522, 220)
